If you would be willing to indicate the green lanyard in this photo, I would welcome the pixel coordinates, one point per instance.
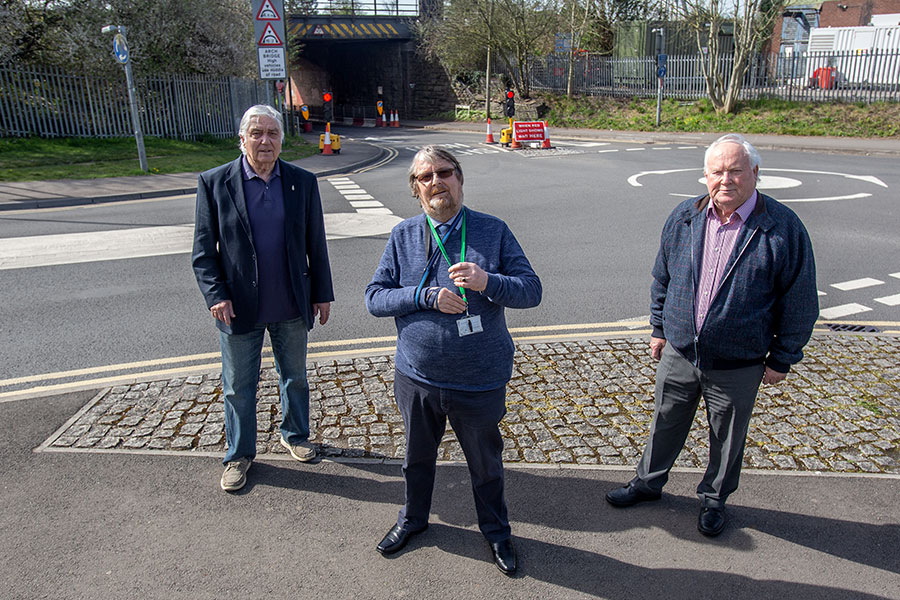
(462, 257)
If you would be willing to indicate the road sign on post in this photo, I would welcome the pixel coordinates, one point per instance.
(268, 29)
(120, 51)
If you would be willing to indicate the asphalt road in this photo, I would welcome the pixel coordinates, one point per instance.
(587, 215)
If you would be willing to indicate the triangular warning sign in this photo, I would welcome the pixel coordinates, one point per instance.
(269, 37)
(267, 12)
(318, 30)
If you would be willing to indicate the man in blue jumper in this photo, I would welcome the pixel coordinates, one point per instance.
(261, 261)
(733, 302)
(446, 277)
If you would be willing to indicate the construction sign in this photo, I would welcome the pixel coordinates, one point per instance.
(268, 28)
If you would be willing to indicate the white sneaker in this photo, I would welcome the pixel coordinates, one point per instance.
(235, 475)
(304, 451)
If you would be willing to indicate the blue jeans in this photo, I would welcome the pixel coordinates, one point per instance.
(241, 357)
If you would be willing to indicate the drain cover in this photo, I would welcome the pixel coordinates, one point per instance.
(851, 328)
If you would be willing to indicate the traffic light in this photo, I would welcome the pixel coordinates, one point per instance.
(510, 103)
(328, 107)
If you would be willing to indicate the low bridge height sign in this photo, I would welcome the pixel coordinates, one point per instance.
(268, 28)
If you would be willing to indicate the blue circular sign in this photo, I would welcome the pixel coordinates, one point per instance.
(120, 48)
(661, 72)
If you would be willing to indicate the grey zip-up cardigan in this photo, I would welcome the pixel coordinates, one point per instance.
(766, 304)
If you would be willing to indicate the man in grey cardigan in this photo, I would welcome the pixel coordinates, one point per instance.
(446, 277)
(733, 302)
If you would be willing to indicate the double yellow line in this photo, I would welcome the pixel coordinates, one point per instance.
(182, 366)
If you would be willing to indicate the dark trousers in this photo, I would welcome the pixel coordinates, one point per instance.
(729, 395)
(475, 418)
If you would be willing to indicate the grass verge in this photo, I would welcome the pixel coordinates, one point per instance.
(839, 119)
(36, 159)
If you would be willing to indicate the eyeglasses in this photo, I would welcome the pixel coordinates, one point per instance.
(442, 174)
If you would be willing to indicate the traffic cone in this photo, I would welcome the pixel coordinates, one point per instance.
(546, 142)
(396, 119)
(326, 147)
(490, 134)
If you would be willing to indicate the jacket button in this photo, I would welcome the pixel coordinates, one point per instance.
(253, 284)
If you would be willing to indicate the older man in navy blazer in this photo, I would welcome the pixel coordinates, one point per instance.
(261, 261)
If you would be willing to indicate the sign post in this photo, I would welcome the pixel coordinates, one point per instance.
(268, 29)
(123, 56)
(661, 60)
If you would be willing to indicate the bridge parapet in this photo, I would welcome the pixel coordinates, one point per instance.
(368, 8)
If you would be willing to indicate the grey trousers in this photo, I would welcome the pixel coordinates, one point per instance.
(729, 396)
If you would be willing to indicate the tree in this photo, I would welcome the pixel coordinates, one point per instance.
(515, 29)
(753, 20)
(213, 37)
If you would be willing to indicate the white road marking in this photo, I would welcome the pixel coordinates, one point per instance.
(826, 198)
(605, 151)
(144, 242)
(634, 149)
(897, 275)
(365, 203)
(662, 148)
(821, 293)
(889, 300)
(856, 284)
(375, 211)
(844, 310)
(351, 197)
(687, 147)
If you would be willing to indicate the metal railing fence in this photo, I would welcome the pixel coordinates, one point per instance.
(380, 8)
(49, 102)
(812, 76)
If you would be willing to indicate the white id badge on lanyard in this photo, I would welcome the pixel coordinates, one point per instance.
(469, 325)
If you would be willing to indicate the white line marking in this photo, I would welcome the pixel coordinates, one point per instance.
(374, 211)
(857, 284)
(844, 310)
(897, 275)
(827, 198)
(889, 300)
(339, 179)
(663, 148)
(605, 151)
(821, 293)
(365, 203)
(686, 147)
(634, 149)
(358, 197)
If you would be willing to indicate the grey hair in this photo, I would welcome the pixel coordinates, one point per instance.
(734, 138)
(432, 154)
(260, 110)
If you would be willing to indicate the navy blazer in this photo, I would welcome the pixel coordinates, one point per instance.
(224, 258)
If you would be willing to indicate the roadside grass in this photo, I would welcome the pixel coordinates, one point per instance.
(756, 116)
(35, 159)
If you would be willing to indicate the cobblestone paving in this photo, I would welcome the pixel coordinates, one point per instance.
(579, 402)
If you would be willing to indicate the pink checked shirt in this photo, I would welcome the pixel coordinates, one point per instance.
(718, 242)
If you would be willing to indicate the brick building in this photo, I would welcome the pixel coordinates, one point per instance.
(791, 31)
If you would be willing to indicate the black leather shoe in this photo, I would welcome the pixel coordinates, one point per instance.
(629, 495)
(396, 539)
(711, 521)
(505, 556)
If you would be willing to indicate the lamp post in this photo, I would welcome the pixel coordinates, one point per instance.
(120, 50)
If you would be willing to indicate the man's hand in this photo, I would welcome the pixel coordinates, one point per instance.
(771, 376)
(468, 275)
(322, 310)
(223, 311)
(656, 347)
(450, 303)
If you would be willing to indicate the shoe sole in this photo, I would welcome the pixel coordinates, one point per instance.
(291, 451)
(234, 488)
(619, 504)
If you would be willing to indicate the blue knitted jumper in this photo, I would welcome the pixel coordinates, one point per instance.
(429, 347)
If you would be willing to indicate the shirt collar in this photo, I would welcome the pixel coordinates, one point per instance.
(249, 173)
(743, 211)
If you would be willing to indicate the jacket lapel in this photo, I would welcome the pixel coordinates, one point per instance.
(234, 182)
